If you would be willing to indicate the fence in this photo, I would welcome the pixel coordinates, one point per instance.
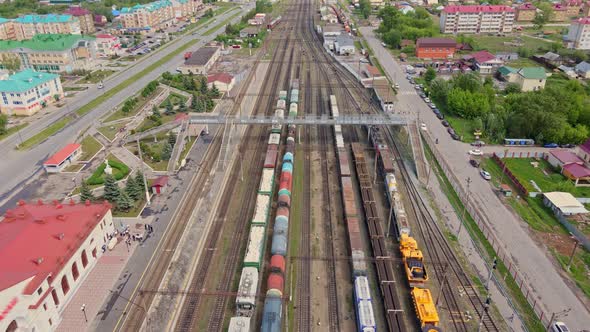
(523, 191)
(584, 241)
(483, 223)
(521, 154)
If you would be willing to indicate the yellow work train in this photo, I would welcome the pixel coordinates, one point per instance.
(413, 261)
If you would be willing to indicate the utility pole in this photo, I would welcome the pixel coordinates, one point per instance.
(556, 315)
(492, 268)
(390, 216)
(147, 194)
(569, 263)
(486, 306)
(464, 207)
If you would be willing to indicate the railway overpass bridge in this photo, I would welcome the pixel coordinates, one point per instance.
(306, 120)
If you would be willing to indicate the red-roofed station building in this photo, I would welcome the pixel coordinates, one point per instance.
(223, 81)
(477, 19)
(46, 250)
(62, 158)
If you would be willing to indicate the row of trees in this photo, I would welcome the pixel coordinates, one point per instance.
(129, 105)
(3, 124)
(149, 89)
(559, 113)
(396, 26)
(123, 199)
(203, 96)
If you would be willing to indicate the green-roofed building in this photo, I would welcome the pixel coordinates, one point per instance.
(51, 52)
(28, 91)
(27, 26)
(528, 78)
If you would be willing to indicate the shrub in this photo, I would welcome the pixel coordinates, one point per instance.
(120, 171)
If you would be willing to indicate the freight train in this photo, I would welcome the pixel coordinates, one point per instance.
(273, 305)
(253, 259)
(412, 257)
(362, 294)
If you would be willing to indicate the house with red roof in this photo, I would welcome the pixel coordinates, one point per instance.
(63, 158)
(560, 13)
(46, 250)
(483, 61)
(561, 158)
(159, 185)
(580, 174)
(573, 7)
(223, 81)
(583, 151)
(477, 19)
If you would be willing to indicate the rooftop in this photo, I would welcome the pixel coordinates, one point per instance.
(45, 42)
(50, 18)
(220, 77)
(36, 240)
(481, 56)
(567, 201)
(436, 42)
(344, 40)
(477, 9)
(505, 70)
(583, 66)
(150, 7)
(160, 181)
(201, 56)
(77, 11)
(577, 170)
(62, 154)
(582, 20)
(527, 6)
(586, 146)
(105, 36)
(566, 156)
(559, 7)
(533, 73)
(25, 80)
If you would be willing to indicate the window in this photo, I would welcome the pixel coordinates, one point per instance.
(75, 272)
(84, 258)
(65, 286)
(55, 298)
(94, 252)
(45, 306)
(50, 322)
(40, 290)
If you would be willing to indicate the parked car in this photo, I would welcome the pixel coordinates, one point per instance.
(551, 145)
(455, 137)
(450, 130)
(486, 175)
(427, 99)
(396, 86)
(432, 105)
(568, 146)
(474, 163)
(440, 116)
(422, 94)
(475, 152)
(423, 126)
(559, 327)
(445, 123)
(417, 88)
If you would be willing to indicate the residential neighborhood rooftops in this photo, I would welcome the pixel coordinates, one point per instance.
(62, 154)
(36, 240)
(566, 156)
(45, 42)
(551, 56)
(477, 9)
(436, 42)
(586, 146)
(25, 80)
(583, 67)
(480, 57)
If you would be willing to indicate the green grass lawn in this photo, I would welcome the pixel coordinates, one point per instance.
(44, 134)
(579, 270)
(187, 148)
(90, 146)
(156, 147)
(12, 130)
(119, 114)
(523, 62)
(496, 44)
(133, 212)
(147, 123)
(117, 173)
(175, 99)
(463, 127)
(73, 168)
(544, 176)
(93, 104)
(96, 76)
(75, 88)
(111, 131)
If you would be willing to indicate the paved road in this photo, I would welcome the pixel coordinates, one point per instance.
(548, 286)
(18, 167)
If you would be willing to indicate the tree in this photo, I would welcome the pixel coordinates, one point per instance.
(133, 189)
(3, 123)
(524, 52)
(214, 92)
(172, 139)
(393, 38)
(544, 14)
(11, 62)
(166, 152)
(182, 108)
(512, 88)
(439, 90)
(124, 202)
(169, 107)
(365, 8)
(85, 193)
(111, 189)
(430, 75)
(203, 84)
(468, 104)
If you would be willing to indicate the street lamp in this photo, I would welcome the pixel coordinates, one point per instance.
(83, 308)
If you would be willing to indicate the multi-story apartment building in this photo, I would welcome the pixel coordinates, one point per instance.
(578, 35)
(85, 17)
(47, 250)
(26, 92)
(477, 19)
(158, 14)
(560, 13)
(51, 53)
(573, 7)
(27, 26)
(526, 12)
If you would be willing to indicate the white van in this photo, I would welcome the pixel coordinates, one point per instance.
(559, 327)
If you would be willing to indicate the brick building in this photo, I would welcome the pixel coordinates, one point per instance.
(526, 12)
(477, 19)
(578, 35)
(27, 26)
(85, 17)
(435, 48)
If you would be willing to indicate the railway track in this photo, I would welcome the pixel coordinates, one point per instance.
(193, 305)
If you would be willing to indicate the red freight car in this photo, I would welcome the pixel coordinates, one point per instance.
(277, 264)
(386, 161)
(270, 160)
(350, 209)
(275, 281)
(343, 162)
(354, 234)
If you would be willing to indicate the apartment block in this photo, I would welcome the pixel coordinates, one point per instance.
(51, 53)
(578, 35)
(477, 19)
(560, 13)
(85, 17)
(27, 26)
(158, 14)
(526, 12)
(26, 92)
